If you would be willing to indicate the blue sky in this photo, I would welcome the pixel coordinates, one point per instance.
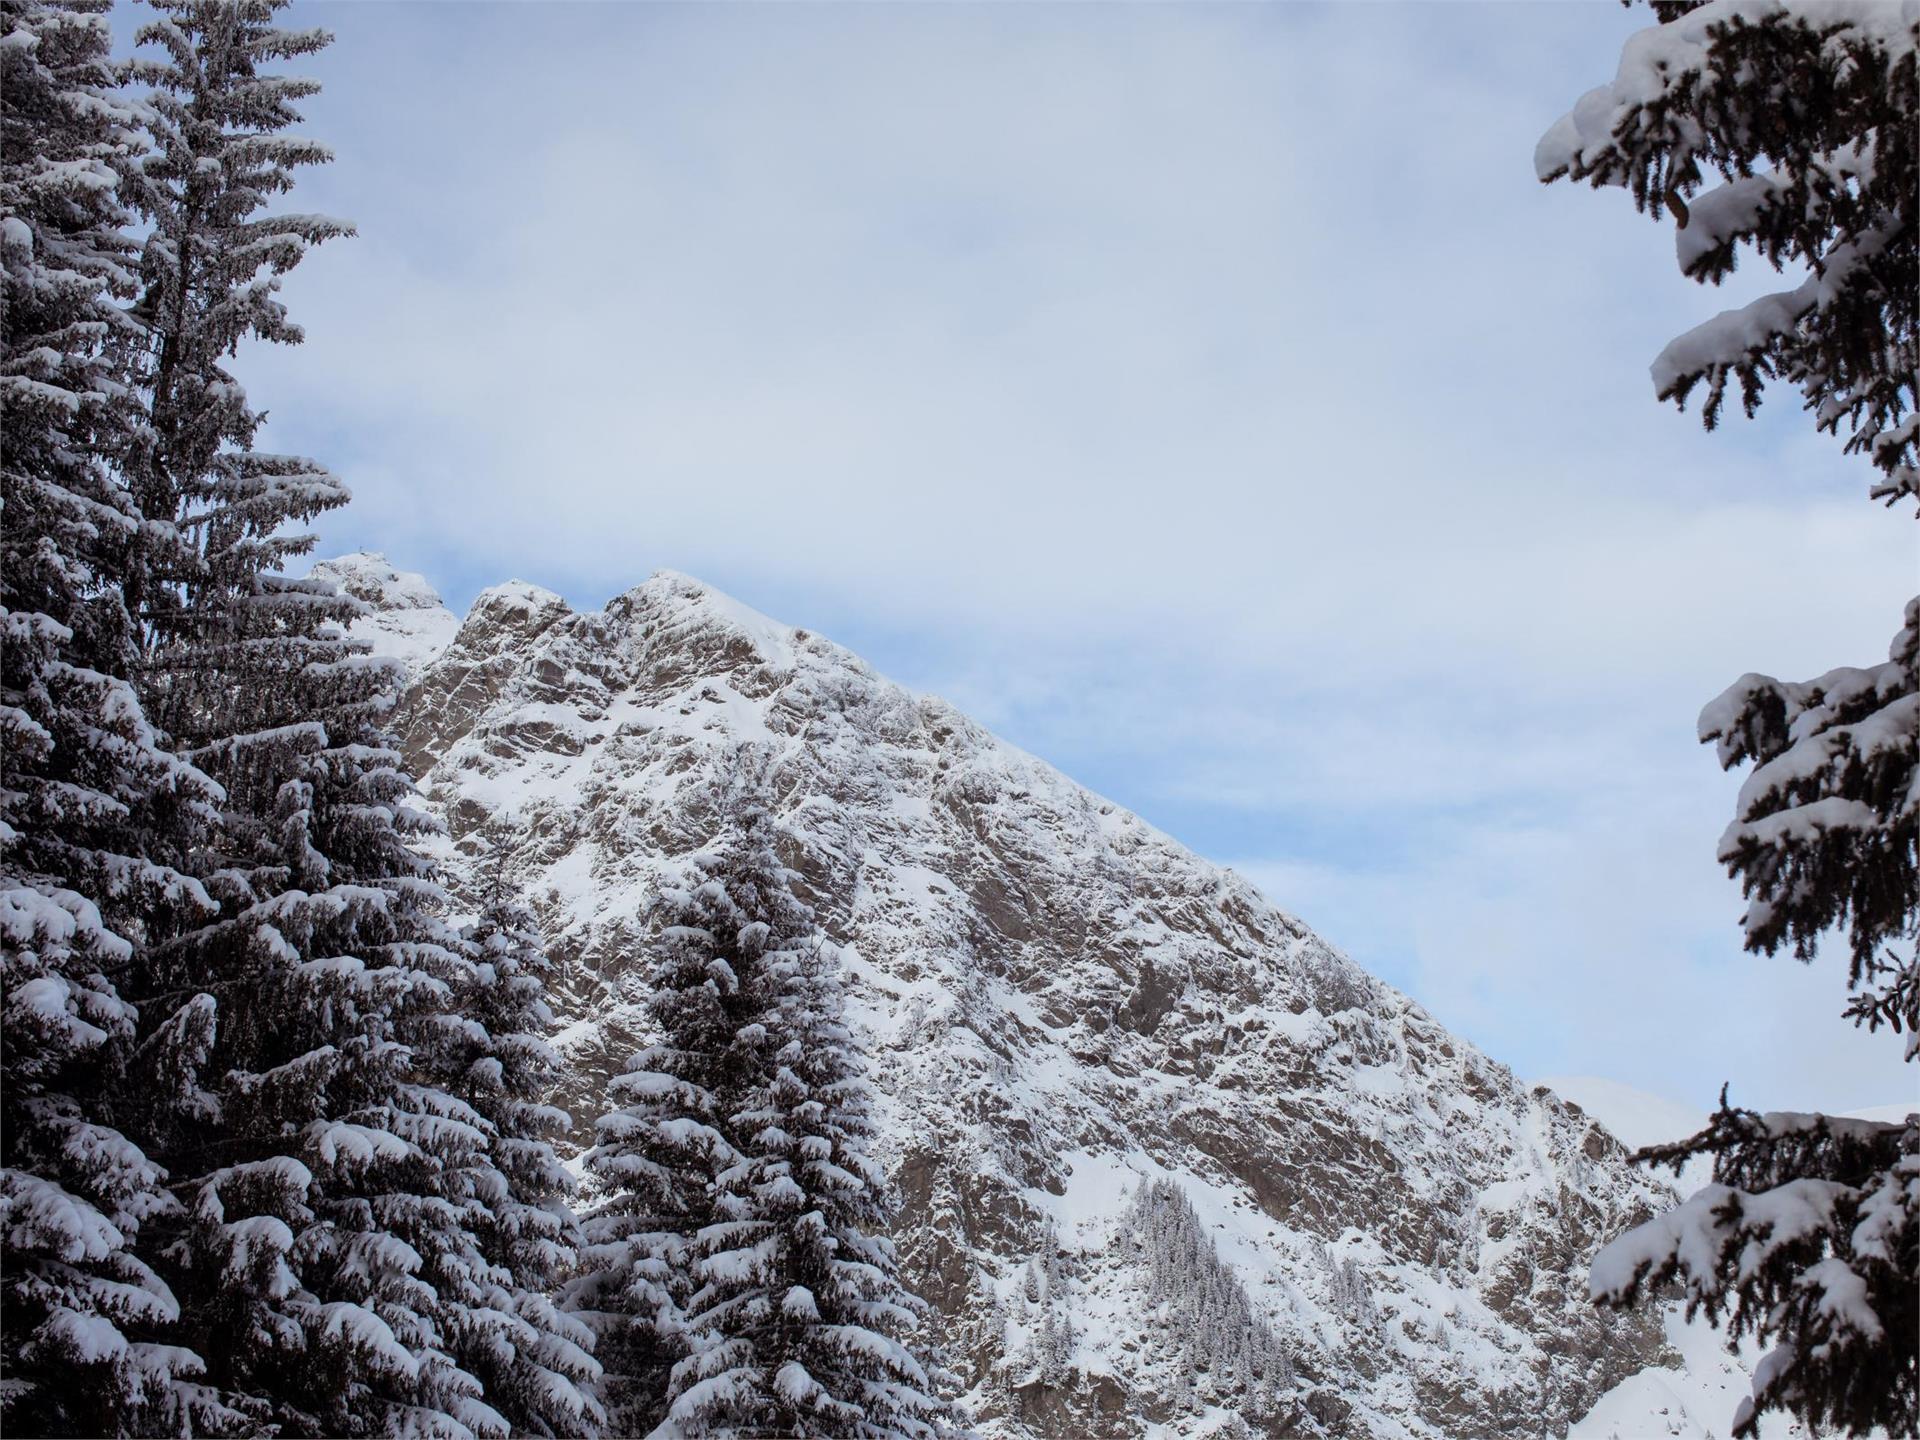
(1205, 397)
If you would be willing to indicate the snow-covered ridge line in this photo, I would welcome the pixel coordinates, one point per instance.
(369, 576)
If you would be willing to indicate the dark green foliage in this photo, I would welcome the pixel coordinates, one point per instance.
(371, 1210)
(274, 1154)
(95, 814)
(532, 1358)
(1808, 115)
(208, 272)
(1827, 833)
(659, 1148)
(1810, 1233)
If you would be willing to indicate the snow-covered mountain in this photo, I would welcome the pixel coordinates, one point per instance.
(1636, 1117)
(1060, 1002)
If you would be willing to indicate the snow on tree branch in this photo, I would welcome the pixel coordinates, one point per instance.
(1806, 110)
(1809, 1239)
(1826, 831)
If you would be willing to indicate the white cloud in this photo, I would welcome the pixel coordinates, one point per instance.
(1208, 397)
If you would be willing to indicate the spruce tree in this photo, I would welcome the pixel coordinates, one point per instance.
(739, 1281)
(1047, 1347)
(666, 1137)
(363, 1243)
(209, 596)
(802, 1326)
(1808, 116)
(532, 1358)
(95, 813)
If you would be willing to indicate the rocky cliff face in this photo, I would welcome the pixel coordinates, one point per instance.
(1059, 1000)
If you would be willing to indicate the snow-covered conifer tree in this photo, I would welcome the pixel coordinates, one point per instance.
(801, 1326)
(1047, 1347)
(347, 1179)
(1808, 115)
(333, 1175)
(95, 812)
(532, 1358)
(1213, 1322)
(209, 591)
(663, 1142)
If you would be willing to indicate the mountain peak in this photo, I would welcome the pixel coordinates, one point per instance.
(406, 618)
(519, 595)
(704, 605)
(368, 575)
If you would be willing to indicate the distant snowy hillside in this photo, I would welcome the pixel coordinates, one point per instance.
(1693, 1400)
(1885, 1114)
(1638, 1119)
(1061, 1003)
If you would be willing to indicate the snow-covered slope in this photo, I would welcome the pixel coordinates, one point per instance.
(1638, 1118)
(407, 620)
(1885, 1114)
(1692, 1398)
(1059, 1000)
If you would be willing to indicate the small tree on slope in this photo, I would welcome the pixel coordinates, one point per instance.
(661, 1145)
(1809, 114)
(801, 1326)
(95, 813)
(533, 1358)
